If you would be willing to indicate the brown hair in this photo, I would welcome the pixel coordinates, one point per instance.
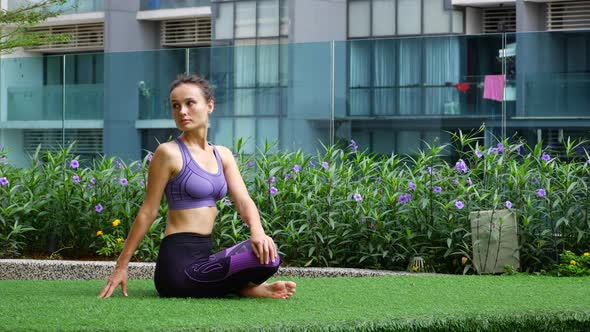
(197, 80)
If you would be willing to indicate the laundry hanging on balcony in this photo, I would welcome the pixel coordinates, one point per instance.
(493, 87)
(463, 87)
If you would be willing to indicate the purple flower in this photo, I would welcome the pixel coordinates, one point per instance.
(250, 164)
(412, 186)
(459, 205)
(509, 204)
(76, 178)
(74, 164)
(455, 182)
(469, 181)
(227, 202)
(3, 181)
(90, 186)
(296, 168)
(478, 153)
(501, 148)
(353, 146)
(429, 170)
(588, 161)
(142, 183)
(494, 151)
(98, 208)
(271, 180)
(325, 165)
(404, 198)
(123, 181)
(93, 181)
(150, 156)
(379, 179)
(273, 191)
(461, 167)
(138, 166)
(311, 164)
(288, 176)
(546, 157)
(541, 192)
(357, 197)
(436, 190)
(119, 164)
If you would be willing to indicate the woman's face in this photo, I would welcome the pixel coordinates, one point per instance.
(189, 107)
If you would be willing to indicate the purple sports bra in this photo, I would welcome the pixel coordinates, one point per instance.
(194, 187)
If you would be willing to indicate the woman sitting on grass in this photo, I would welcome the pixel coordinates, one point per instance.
(194, 175)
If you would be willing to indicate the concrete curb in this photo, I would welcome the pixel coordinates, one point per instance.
(28, 269)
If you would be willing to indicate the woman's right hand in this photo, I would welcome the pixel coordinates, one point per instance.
(118, 277)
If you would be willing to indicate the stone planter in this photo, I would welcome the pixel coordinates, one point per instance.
(495, 240)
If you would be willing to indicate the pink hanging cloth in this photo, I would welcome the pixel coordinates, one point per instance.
(493, 87)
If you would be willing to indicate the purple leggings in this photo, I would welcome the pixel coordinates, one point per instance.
(187, 268)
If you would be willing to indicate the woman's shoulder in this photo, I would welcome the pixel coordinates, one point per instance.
(167, 149)
(224, 152)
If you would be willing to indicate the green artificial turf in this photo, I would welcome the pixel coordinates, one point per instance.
(384, 303)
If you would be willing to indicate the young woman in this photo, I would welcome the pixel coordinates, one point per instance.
(194, 175)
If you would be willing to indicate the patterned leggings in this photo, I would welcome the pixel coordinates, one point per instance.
(187, 268)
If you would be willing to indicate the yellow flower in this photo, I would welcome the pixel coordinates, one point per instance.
(116, 222)
(99, 233)
(415, 268)
(119, 240)
(586, 254)
(573, 262)
(463, 260)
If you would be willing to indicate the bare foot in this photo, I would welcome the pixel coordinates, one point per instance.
(276, 290)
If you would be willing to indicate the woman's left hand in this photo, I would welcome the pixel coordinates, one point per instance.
(263, 247)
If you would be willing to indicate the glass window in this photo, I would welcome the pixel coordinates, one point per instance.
(408, 17)
(245, 63)
(383, 17)
(436, 18)
(245, 128)
(268, 18)
(224, 21)
(268, 63)
(359, 18)
(408, 142)
(360, 63)
(245, 19)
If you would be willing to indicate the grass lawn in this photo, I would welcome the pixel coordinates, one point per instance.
(413, 303)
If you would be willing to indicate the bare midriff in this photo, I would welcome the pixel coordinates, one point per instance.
(197, 220)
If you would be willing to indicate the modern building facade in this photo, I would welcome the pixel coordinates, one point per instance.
(395, 75)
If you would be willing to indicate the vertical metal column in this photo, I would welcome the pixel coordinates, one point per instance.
(63, 102)
(504, 87)
(332, 133)
(187, 53)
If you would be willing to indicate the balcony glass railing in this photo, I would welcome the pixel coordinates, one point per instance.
(390, 95)
(170, 4)
(70, 7)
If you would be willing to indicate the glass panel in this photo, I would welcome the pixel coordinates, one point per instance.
(268, 18)
(221, 131)
(360, 63)
(224, 21)
(267, 101)
(245, 19)
(244, 101)
(436, 18)
(383, 17)
(245, 128)
(164, 4)
(384, 101)
(359, 18)
(267, 130)
(408, 142)
(385, 65)
(360, 102)
(268, 63)
(245, 64)
(408, 17)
